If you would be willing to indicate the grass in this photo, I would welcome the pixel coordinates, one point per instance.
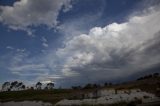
(53, 96)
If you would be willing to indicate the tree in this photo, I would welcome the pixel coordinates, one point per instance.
(23, 87)
(6, 86)
(156, 74)
(50, 85)
(38, 85)
(110, 84)
(105, 84)
(31, 88)
(88, 86)
(76, 87)
(95, 85)
(141, 78)
(19, 85)
(14, 84)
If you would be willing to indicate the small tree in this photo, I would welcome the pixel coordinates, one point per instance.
(76, 87)
(156, 74)
(6, 86)
(38, 85)
(88, 86)
(31, 88)
(19, 85)
(105, 84)
(50, 85)
(110, 84)
(14, 85)
(23, 87)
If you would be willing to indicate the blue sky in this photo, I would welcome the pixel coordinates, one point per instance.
(73, 42)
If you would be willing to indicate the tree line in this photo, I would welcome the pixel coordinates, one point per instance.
(17, 86)
(106, 84)
(90, 86)
(154, 75)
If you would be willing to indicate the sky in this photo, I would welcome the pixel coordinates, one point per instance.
(75, 42)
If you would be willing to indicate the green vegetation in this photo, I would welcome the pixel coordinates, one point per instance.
(51, 96)
(150, 84)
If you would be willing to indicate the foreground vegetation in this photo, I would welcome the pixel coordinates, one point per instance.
(149, 84)
(51, 96)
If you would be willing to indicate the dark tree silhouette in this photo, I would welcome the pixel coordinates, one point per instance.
(31, 88)
(38, 85)
(19, 85)
(5, 86)
(106, 84)
(156, 74)
(76, 87)
(14, 84)
(23, 87)
(50, 85)
(88, 86)
(110, 84)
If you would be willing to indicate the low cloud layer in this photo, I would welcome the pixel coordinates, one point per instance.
(114, 51)
(27, 13)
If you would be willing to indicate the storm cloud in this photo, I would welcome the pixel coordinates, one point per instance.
(115, 51)
(82, 50)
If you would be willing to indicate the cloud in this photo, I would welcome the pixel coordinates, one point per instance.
(9, 47)
(114, 51)
(19, 62)
(44, 42)
(44, 39)
(27, 13)
(27, 67)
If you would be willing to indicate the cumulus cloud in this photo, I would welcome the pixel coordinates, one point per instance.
(104, 53)
(114, 51)
(44, 42)
(27, 13)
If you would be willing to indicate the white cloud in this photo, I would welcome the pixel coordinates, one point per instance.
(116, 50)
(27, 67)
(27, 13)
(21, 50)
(9, 47)
(20, 63)
(44, 42)
(44, 39)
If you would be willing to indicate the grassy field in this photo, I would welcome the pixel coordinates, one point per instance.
(53, 96)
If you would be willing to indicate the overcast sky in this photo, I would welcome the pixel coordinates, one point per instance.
(74, 42)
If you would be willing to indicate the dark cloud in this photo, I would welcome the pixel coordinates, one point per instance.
(113, 52)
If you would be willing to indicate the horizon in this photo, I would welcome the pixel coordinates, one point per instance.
(74, 42)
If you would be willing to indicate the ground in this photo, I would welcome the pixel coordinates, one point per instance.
(151, 85)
